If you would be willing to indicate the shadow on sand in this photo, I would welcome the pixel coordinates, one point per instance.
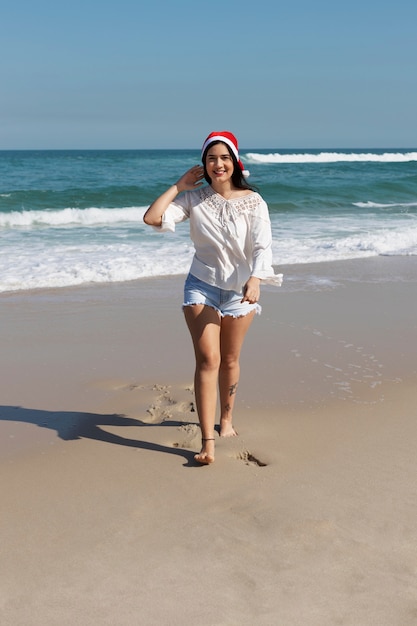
(76, 425)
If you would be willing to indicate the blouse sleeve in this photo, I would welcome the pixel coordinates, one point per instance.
(177, 212)
(262, 246)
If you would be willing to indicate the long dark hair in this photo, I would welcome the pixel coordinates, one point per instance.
(238, 179)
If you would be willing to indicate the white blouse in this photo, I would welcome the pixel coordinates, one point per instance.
(232, 238)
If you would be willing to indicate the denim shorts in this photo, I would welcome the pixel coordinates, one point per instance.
(225, 302)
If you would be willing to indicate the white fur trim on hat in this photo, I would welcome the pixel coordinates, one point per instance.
(225, 140)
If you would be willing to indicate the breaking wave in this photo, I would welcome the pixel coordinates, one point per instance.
(71, 217)
(331, 157)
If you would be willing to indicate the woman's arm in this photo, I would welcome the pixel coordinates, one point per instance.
(188, 181)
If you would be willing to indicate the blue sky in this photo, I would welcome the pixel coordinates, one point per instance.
(161, 74)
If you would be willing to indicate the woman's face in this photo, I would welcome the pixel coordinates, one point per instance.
(219, 163)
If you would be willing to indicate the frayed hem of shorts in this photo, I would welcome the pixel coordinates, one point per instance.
(258, 309)
(185, 304)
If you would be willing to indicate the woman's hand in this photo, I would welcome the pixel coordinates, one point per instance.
(188, 181)
(252, 290)
(191, 179)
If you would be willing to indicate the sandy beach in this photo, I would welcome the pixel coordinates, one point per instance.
(307, 518)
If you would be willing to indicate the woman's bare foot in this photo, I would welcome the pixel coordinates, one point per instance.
(226, 428)
(206, 456)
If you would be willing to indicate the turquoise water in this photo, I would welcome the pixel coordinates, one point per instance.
(75, 217)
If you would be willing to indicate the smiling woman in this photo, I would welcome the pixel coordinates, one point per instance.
(231, 232)
(218, 163)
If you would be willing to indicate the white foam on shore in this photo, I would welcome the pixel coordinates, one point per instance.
(52, 249)
(61, 264)
(64, 266)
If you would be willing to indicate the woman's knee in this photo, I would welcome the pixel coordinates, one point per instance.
(229, 362)
(208, 361)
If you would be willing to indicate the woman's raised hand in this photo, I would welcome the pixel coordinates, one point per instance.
(191, 179)
(188, 181)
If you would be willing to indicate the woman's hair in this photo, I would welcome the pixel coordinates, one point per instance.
(238, 179)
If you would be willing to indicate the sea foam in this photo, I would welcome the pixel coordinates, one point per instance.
(378, 205)
(71, 217)
(331, 157)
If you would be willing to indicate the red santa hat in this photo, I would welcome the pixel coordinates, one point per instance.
(230, 140)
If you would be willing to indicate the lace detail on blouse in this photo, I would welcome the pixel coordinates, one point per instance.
(225, 210)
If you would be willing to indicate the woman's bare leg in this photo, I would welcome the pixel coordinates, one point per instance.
(204, 325)
(232, 335)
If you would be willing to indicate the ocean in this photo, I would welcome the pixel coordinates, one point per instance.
(75, 217)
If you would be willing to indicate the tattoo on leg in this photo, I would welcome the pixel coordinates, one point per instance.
(227, 407)
(233, 389)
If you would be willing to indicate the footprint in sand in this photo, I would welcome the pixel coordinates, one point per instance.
(166, 405)
(189, 436)
(249, 459)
